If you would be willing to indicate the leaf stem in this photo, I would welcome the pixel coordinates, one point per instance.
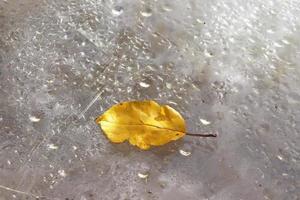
(150, 125)
(202, 135)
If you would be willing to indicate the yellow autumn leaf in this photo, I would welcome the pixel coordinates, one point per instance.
(142, 123)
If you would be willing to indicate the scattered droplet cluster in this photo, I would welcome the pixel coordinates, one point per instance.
(227, 66)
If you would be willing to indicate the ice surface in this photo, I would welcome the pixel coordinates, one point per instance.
(232, 64)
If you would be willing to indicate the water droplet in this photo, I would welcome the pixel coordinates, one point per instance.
(52, 146)
(199, 21)
(50, 81)
(143, 176)
(173, 103)
(117, 10)
(284, 174)
(286, 42)
(34, 119)
(169, 85)
(205, 122)
(279, 157)
(167, 7)
(147, 12)
(62, 173)
(207, 54)
(144, 85)
(184, 153)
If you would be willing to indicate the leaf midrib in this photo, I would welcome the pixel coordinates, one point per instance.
(150, 125)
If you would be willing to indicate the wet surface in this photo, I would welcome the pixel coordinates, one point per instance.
(227, 66)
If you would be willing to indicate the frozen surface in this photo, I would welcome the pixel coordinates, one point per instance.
(234, 63)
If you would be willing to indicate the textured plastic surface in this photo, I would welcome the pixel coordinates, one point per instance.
(231, 66)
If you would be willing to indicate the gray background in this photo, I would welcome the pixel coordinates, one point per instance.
(234, 63)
